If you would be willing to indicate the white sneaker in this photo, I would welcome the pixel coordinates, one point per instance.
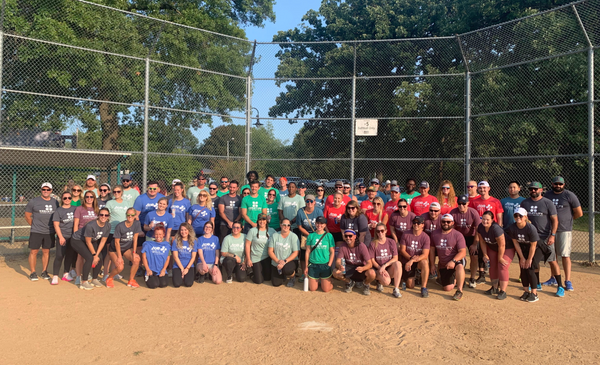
(229, 281)
(54, 280)
(380, 288)
(86, 286)
(118, 277)
(97, 283)
(90, 277)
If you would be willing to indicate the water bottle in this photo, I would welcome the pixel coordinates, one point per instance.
(344, 265)
(306, 284)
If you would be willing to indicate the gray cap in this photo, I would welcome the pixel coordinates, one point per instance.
(126, 177)
(310, 197)
(394, 183)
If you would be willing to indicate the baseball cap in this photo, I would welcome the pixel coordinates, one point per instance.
(372, 188)
(464, 199)
(521, 211)
(175, 181)
(435, 205)
(376, 181)
(309, 197)
(282, 179)
(558, 179)
(448, 217)
(91, 177)
(361, 185)
(483, 183)
(395, 188)
(339, 182)
(261, 216)
(424, 184)
(126, 177)
(387, 182)
(47, 185)
(536, 184)
(321, 219)
(417, 219)
(350, 231)
(105, 184)
(347, 185)
(394, 182)
(302, 185)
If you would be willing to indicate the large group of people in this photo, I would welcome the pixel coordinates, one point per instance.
(370, 236)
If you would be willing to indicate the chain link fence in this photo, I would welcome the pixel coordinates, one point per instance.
(88, 89)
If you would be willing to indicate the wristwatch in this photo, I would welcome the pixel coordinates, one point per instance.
(456, 262)
(553, 234)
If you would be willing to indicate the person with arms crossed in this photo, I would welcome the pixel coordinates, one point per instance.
(450, 247)
(511, 203)
(320, 254)
(414, 255)
(420, 204)
(357, 266)
(466, 221)
(498, 251)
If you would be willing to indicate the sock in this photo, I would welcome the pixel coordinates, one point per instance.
(558, 280)
(537, 275)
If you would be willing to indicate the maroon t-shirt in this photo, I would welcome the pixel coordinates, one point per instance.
(384, 251)
(414, 244)
(447, 245)
(85, 216)
(431, 225)
(355, 256)
(400, 224)
(466, 223)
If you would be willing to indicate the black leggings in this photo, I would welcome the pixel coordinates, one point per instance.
(288, 269)
(63, 252)
(528, 277)
(81, 248)
(262, 271)
(224, 231)
(231, 266)
(154, 281)
(188, 280)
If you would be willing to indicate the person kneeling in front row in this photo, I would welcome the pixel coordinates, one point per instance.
(155, 255)
(357, 263)
(449, 244)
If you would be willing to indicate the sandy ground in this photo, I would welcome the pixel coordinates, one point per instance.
(259, 324)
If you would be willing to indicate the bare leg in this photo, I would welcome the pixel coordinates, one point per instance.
(566, 261)
(326, 285)
(45, 258)
(33, 259)
(424, 266)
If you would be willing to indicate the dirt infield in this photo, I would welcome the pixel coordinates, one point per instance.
(259, 324)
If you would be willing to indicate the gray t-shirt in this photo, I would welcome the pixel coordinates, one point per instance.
(232, 206)
(125, 234)
(564, 202)
(92, 230)
(539, 212)
(42, 211)
(65, 218)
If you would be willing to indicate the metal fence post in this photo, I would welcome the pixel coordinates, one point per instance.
(146, 122)
(467, 116)
(248, 120)
(353, 120)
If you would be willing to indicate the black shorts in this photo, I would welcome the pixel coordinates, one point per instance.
(447, 275)
(413, 270)
(302, 255)
(112, 248)
(470, 241)
(337, 237)
(40, 240)
(352, 274)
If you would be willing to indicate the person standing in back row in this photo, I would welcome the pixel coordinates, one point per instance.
(487, 202)
(129, 193)
(466, 221)
(192, 193)
(511, 203)
(409, 194)
(420, 204)
(568, 208)
(229, 210)
(472, 191)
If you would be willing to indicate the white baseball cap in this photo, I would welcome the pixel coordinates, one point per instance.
(46, 185)
(522, 211)
(483, 183)
(435, 205)
(175, 181)
(448, 217)
(91, 177)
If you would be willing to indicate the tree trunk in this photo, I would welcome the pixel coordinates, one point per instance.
(110, 127)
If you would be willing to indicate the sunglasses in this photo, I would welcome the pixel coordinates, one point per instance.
(433, 211)
(67, 198)
(286, 225)
(402, 206)
(272, 194)
(103, 215)
(346, 187)
(125, 180)
(104, 190)
(377, 203)
(310, 201)
(320, 190)
(518, 216)
(152, 188)
(117, 191)
(381, 230)
(445, 187)
(462, 203)
(212, 188)
(76, 190)
(338, 186)
(446, 222)
(533, 189)
(246, 193)
(131, 215)
(375, 184)
(417, 223)
(558, 184)
(90, 197)
(351, 208)
(472, 186)
(224, 181)
(348, 235)
(46, 189)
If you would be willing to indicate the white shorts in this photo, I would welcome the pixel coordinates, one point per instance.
(563, 243)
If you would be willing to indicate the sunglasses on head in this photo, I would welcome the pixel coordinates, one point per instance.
(67, 198)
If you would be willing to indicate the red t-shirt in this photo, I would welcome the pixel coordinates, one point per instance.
(329, 201)
(374, 218)
(447, 207)
(471, 198)
(420, 205)
(366, 205)
(333, 216)
(492, 204)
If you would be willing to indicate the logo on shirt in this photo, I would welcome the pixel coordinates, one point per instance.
(402, 226)
(158, 250)
(254, 205)
(98, 236)
(463, 222)
(231, 204)
(350, 225)
(150, 205)
(129, 236)
(283, 245)
(209, 246)
(443, 243)
(487, 240)
(69, 217)
(521, 238)
(175, 208)
(47, 209)
(352, 257)
(533, 211)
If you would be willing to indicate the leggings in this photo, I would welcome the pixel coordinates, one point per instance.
(497, 271)
(528, 277)
(63, 252)
(288, 269)
(154, 281)
(224, 231)
(262, 271)
(232, 267)
(187, 280)
(81, 248)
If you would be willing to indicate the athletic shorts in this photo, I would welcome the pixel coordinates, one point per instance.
(563, 243)
(319, 271)
(548, 250)
(447, 276)
(40, 240)
(112, 248)
(413, 270)
(337, 237)
(470, 241)
(352, 274)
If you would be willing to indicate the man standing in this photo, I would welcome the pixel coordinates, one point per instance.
(302, 189)
(146, 203)
(392, 205)
(420, 204)
(229, 210)
(192, 193)
(263, 191)
(129, 193)
(283, 191)
(450, 247)
(368, 203)
(466, 221)
(289, 206)
(542, 214)
(512, 203)
(252, 206)
(472, 190)
(346, 191)
(486, 202)
(38, 214)
(358, 265)
(223, 187)
(568, 208)
(409, 194)
(375, 183)
(362, 193)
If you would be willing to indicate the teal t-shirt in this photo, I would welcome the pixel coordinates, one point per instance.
(221, 193)
(192, 193)
(321, 254)
(409, 197)
(118, 213)
(254, 206)
(129, 196)
(234, 246)
(290, 207)
(283, 247)
(259, 250)
(264, 191)
(274, 213)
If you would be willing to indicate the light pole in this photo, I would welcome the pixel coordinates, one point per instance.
(229, 140)
(258, 123)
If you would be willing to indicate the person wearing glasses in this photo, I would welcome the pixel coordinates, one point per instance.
(472, 190)
(155, 256)
(392, 204)
(346, 190)
(368, 203)
(420, 204)
(432, 218)
(339, 186)
(201, 212)
(129, 193)
(229, 210)
(252, 206)
(88, 243)
(466, 221)
(320, 198)
(105, 195)
(497, 251)
(568, 209)
(245, 193)
(273, 209)
(362, 193)
(487, 202)
(124, 245)
(355, 219)
(410, 190)
(76, 194)
(38, 214)
(358, 266)
(146, 203)
(334, 214)
(384, 253)
(91, 185)
(401, 220)
(320, 254)
(232, 254)
(283, 251)
(224, 186)
(306, 220)
(302, 189)
(159, 217)
(414, 251)
(446, 197)
(208, 254)
(62, 219)
(192, 193)
(178, 207)
(257, 250)
(212, 192)
(376, 215)
(118, 208)
(449, 245)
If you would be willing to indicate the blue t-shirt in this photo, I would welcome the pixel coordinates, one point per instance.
(320, 203)
(209, 246)
(383, 196)
(184, 253)
(144, 205)
(200, 215)
(361, 198)
(510, 205)
(303, 219)
(166, 220)
(180, 208)
(157, 253)
(283, 193)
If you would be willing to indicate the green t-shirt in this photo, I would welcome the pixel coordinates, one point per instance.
(264, 191)
(283, 247)
(221, 193)
(192, 193)
(321, 254)
(259, 250)
(274, 213)
(118, 213)
(234, 246)
(253, 206)
(409, 197)
(290, 207)
(130, 195)
(76, 203)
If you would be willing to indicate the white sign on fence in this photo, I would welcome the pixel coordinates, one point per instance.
(366, 127)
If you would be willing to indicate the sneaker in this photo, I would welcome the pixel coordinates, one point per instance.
(349, 286)
(104, 278)
(292, 282)
(568, 286)
(524, 296)
(367, 290)
(480, 279)
(54, 280)
(560, 292)
(550, 282)
(97, 283)
(458, 295)
(432, 276)
(67, 277)
(45, 275)
(539, 287)
(380, 288)
(118, 277)
(404, 285)
(491, 291)
(73, 273)
(78, 280)
(133, 284)
(110, 283)
(396, 293)
(229, 281)
(424, 293)
(86, 286)
(501, 295)
(472, 283)
(33, 277)
(359, 285)
(140, 273)
(532, 298)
